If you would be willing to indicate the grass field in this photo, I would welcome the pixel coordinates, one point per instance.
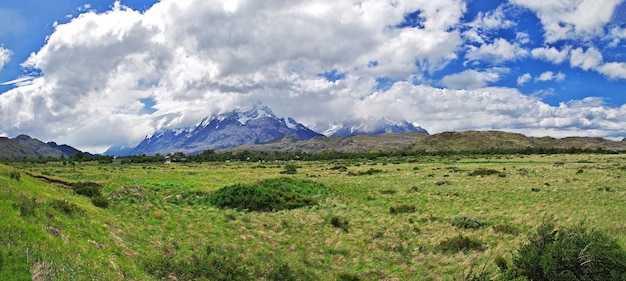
(386, 219)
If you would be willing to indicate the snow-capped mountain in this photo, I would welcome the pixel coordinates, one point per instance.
(371, 126)
(251, 125)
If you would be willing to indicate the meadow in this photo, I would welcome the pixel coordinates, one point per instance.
(398, 218)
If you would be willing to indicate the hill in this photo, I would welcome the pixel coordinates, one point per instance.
(351, 144)
(24, 146)
(485, 140)
(446, 141)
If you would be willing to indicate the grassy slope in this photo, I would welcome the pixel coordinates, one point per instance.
(144, 219)
(446, 141)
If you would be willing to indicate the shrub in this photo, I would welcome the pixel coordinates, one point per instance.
(369, 172)
(347, 276)
(486, 172)
(573, 253)
(467, 222)
(460, 243)
(402, 209)
(27, 206)
(100, 201)
(65, 207)
(290, 168)
(340, 222)
(269, 195)
(211, 264)
(15, 175)
(506, 229)
(89, 189)
(282, 272)
(339, 168)
(215, 263)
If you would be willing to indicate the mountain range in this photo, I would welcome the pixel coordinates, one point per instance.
(258, 128)
(252, 126)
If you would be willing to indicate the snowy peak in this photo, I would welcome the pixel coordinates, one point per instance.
(250, 125)
(371, 126)
(240, 115)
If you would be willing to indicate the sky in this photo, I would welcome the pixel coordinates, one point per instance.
(96, 73)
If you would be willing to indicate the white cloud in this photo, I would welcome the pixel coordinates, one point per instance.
(549, 76)
(505, 109)
(490, 20)
(5, 56)
(523, 79)
(551, 54)
(570, 19)
(195, 58)
(614, 70)
(589, 59)
(499, 51)
(469, 79)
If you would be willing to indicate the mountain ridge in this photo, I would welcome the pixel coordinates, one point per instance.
(441, 142)
(251, 125)
(24, 146)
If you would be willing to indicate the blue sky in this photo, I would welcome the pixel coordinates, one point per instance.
(99, 73)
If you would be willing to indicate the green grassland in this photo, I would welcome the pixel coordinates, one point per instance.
(383, 219)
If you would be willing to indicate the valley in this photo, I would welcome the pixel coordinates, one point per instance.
(389, 218)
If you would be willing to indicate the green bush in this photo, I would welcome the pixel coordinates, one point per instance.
(100, 201)
(210, 264)
(89, 189)
(215, 263)
(506, 229)
(486, 172)
(467, 222)
(269, 195)
(65, 207)
(402, 209)
(339, 168)
(460, 243)
(290, 168)
(341, 223)
(369, 172)
(27, 206)
(15, 174)
(347, 276)
(573, 253)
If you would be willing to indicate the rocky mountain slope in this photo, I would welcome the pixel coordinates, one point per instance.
(24, 146)
(252, 125)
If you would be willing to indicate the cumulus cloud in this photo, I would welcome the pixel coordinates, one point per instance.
(193, 58)
(586, 60)
(497, 108)
(524, 79)
(551, 54)
(470, 79)
(567, 19)
(499, 51)
(549, 76)
(5, 56)
(614, 70)
(490, 20)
